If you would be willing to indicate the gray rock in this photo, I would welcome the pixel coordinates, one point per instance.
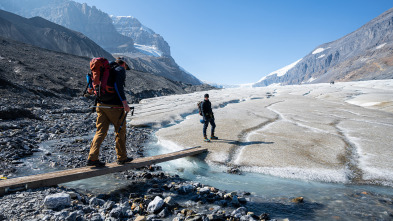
(155, 205)
(96, 202)
(96, 217)
(235, 201)
(58, 200)
(170, 201)
(186, 189)
(61, 215)
(72, 216)
(204, 190)
(109, 205)
(239, 212)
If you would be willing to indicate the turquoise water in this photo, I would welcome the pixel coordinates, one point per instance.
(269, 194)
(322, 201)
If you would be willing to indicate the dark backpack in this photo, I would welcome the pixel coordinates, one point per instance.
(199, 104)
(101, 79)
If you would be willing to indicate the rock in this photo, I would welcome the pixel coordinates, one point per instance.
(164, 213)
(204, 190)
(248, 218)
(96, 202)
(61, 215)
(155, 205)
(230, 195)
(57, 201)
(140, 218)
(186, 189)
(178, 219)
(72, 216)
(235, 201)
(242, 200)
(264, 216)
(194, 218)
(116, 212)
(96, 217)
(170, 201)
(74, 195)
(109, 205)
(298, 200)
(239, 212)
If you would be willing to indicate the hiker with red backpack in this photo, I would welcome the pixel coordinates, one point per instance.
(208, 117)
(107, 81)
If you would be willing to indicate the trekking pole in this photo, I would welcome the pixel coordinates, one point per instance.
(125, 117)
(106, 107)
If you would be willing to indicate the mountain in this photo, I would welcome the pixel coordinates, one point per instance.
(42, 33)
(90, 21)
(144, 38)
(161, 66)
(151, 52)
(365, 54)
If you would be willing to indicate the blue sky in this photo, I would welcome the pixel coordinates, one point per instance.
(240, 41)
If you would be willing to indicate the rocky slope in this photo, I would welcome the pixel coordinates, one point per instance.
(142, 35)
(28, 72)
(365, 54)
(45, 34)
(90, 21)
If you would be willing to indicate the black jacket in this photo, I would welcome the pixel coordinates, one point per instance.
(120, 81)
(207, 111)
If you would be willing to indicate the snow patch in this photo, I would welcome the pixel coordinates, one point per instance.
(148, 50)
(282, 71)
(318, 50)
(380, 46)
(311, 80)
(321, 56)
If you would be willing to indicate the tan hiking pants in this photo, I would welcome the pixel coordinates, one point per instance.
(105, 117)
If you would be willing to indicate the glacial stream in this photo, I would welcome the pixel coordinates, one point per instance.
(273, 195)
(269, 194)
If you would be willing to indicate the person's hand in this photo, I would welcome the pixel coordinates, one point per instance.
(126, 107)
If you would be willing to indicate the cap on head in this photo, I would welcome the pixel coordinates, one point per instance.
(206, 96)
(120, 61)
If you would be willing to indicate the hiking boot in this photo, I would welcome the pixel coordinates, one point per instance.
(213, 137)
(122, 162)
(96, 163)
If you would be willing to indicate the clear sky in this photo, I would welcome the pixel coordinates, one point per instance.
(240, 41)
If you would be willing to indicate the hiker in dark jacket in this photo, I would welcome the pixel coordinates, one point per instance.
(208, 117)
(112, 111)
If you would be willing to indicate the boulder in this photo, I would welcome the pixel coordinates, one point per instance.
(57, 201)
(155, 205)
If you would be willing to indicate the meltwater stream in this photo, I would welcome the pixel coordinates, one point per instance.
(322, 201)
(269, 194)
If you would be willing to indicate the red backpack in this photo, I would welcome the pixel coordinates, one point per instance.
(101, 80)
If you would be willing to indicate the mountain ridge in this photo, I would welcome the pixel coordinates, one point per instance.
(364, 54)
(43, 33)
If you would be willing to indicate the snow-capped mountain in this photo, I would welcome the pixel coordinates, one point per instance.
(365, 54)
(150, 53)
(146, 40)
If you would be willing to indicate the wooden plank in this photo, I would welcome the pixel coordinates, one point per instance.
(64, 176)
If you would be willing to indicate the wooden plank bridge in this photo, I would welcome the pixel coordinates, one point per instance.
(64, 176)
